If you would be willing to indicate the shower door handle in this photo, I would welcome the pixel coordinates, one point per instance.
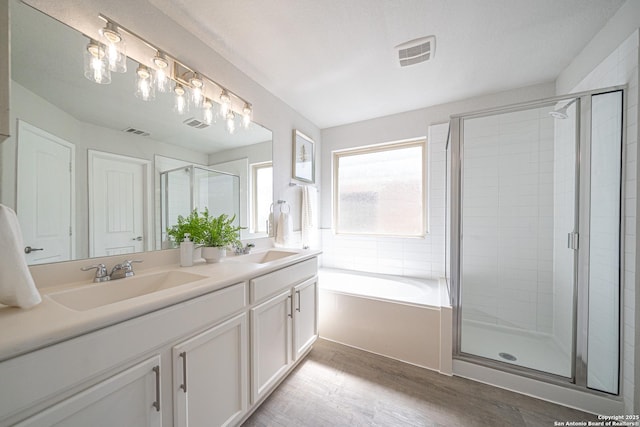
(573, 241)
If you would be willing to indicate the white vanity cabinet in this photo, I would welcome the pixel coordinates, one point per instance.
(283, 323)
(129, 398)
(210, 380)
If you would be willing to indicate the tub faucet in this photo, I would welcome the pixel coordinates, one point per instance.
(122, 270)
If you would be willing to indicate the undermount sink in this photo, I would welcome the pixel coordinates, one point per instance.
(263, 257)
(100, 294)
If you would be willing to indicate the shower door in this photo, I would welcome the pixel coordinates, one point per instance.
(536, 220)
(517, 246)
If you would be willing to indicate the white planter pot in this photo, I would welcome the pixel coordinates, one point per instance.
(212, 254)
(197, 253)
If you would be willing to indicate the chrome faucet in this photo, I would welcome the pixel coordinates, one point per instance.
(240, 250)
(101, 272)
(122, 270)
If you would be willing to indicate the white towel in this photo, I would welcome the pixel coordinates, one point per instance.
(283, 229)
(307, 212)
(17, 287)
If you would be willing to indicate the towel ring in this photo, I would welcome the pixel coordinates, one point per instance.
(283, 204)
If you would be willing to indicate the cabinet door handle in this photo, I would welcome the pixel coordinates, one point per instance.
(156, 404)
(290, 314)
(183, 386)
(299, 301)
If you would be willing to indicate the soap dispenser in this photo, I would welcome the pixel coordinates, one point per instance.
(186, 251)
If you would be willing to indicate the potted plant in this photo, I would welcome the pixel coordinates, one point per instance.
(193, 225)
(220, 232)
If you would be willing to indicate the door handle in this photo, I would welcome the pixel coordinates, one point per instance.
(290, 314)
(183, 386)
(139, 238)
(156, 404)
(29, 249)
(299, 301)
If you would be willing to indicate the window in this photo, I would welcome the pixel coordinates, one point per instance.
(381, 190)
(261, 195)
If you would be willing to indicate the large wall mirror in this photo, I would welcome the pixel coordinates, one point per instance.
(92, 170)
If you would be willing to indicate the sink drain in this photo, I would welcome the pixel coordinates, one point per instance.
(507, 356)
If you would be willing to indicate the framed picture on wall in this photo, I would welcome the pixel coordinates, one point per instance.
(303, 157)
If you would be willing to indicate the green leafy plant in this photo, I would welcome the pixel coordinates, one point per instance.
(194, 225)
(220, 231)
(206, 229)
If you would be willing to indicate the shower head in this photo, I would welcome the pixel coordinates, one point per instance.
(561, 113)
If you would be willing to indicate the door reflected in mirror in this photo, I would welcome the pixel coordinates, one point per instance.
(83, 165)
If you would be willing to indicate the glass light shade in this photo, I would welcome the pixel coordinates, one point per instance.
(181, 103)
(231, 123)
(162, 79)
(116, 48)
(207, 111)
(196, 96)
(96, 67)
(145, 89)
(225, 103)
(246, 115)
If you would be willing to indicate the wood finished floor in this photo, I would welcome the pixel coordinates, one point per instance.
(338, 385)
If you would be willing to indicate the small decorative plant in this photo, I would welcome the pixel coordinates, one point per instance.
(210, 231)
(220, 231)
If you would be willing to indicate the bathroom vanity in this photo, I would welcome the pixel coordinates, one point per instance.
(205, 347)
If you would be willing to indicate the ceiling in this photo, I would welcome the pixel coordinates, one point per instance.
(334, 60)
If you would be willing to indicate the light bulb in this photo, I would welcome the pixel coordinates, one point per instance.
(225, 101)
(96, 68)
(145, 89)
(196, 96)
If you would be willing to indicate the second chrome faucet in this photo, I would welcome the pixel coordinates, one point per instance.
(119, 271)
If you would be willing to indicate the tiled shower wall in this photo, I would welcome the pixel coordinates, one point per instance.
(507, 224)
(413, 257)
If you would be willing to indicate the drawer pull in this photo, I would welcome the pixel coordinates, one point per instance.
(156, 404)
(299, 301)
(290, 313)
(183, 386)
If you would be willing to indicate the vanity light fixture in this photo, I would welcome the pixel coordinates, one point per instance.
(96, 68)
(162, 64)
(181, 105)
(207, 111)
(116, 48)
(159, 71)
(246, 114)
(145, 88)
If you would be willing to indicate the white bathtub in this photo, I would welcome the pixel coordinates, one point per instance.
(402, 318)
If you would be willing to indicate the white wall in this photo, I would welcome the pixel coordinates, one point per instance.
(408, 256)
(611, 58)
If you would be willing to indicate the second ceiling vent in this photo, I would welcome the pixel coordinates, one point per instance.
(416, 51)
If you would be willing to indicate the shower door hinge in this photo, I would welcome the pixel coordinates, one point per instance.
(573, 241)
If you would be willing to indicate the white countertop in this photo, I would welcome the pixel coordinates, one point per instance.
(22, 330)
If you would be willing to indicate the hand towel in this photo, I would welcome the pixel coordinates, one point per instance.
(17, 287)
(271, 223)
(283, 229)
(307, 218)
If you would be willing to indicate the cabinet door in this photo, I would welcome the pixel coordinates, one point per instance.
(270, 343)
(210, 376)
(305, 318)
(130, 398)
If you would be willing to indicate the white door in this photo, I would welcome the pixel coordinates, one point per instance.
(45, 194)
(117, 201)
(305, 320)
(130, 398)
(210, 382)
(270, 343)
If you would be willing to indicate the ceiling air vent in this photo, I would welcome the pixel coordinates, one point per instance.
(136, 131)
(416, 51)
(195, 123)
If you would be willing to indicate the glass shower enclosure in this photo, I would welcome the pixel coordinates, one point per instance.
(194, 187)
(535, 226)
